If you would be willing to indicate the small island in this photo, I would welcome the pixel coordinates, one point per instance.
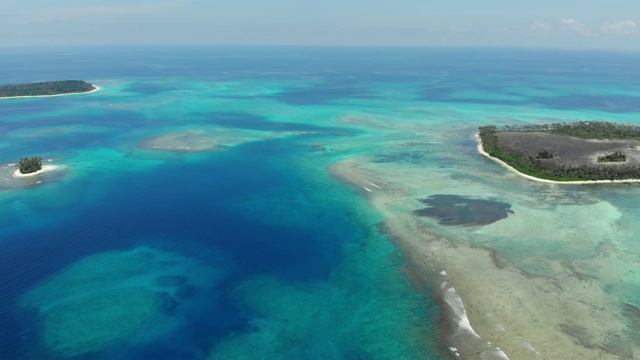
(49, 88)
(583, 151)
(31, 166)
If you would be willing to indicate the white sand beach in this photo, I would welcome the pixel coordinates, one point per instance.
(512, 169)
(45, 168)
(44, 96)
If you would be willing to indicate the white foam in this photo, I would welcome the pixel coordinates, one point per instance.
(500, 354)
(454, 352)
(531, 348)
(459, 315)
(443, 273)
(459, 312)
(366, 188)
(374, 185)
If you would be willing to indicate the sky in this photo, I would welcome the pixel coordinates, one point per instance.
(574, 24)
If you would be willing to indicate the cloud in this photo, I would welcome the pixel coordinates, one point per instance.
(622, 27)
(576, 26)
(541, 28)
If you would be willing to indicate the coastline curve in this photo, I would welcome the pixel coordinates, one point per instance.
(45, 168)
(547, 181)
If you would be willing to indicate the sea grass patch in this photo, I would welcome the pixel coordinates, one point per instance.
(455, 210)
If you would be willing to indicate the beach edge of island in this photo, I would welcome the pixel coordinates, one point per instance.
(546, 181)
(45, 168)
(55, 95)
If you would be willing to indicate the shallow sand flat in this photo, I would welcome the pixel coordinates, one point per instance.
(186, 141)
(565, 316)
(57, 130)
(45, 168)
(207, 139)
(10, 180)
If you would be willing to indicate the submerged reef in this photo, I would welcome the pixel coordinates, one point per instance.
(458, 210)
(208, 139)
(112, 297)
(184, 141)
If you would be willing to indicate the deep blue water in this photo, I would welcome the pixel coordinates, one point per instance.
(173, 210)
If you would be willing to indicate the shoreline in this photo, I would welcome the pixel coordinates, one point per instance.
(45, 96)
(45, 168)
(547, 181)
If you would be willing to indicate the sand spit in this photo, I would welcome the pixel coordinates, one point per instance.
(587, 182)
(491, 308)
(45, 96)
(45, 168)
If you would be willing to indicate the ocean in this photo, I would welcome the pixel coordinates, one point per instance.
(220, 203)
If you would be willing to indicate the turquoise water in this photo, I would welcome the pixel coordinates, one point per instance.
(273, 256)
(191, 215)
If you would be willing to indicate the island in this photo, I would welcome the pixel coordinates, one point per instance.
(49, 88)
(31, 166)
(582, 151)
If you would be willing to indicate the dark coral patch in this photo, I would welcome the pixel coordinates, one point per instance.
(454, 210)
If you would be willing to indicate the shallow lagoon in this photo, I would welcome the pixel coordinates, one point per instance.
(298, 262)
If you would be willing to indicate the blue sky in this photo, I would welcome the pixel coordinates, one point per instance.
(583, 24)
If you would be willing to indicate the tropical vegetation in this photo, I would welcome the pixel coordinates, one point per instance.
(540, 167)
(46, 88)
(613, 157)
(544, 154)
(30, 165)
(583, 129)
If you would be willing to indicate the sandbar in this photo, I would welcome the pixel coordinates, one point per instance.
(45, 168)
(547, 181)
(96, 88)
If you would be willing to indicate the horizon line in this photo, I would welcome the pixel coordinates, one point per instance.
(341, 46)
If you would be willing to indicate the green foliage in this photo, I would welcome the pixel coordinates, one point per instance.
(551, 170)
(544, 154)
(583, 130)
(30, 165)
(614, 157)
(45, 88)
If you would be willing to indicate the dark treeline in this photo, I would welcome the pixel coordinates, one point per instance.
(30, 165)
(583, 129)
(546, 169)
(46, 88)
(544, 154)
(613, 157)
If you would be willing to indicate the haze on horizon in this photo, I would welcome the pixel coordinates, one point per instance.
(575, 24)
